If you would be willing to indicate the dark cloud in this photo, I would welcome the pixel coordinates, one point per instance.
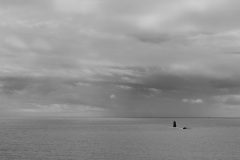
(12, 84)
(225, 83)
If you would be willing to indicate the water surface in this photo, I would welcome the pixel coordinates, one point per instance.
(118, 139)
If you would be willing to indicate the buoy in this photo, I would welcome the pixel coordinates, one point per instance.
(174, 124)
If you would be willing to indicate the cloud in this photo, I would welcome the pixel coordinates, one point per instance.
(154, 90)
(75, 6)
(12, 84)
(83, 84)
(191, 58)
(193, 101)
(40, 44)
(228, 99)
(16, 42)
(89, 52)
(112, 96)
(124, 87)
(131, 80)
(57, 108)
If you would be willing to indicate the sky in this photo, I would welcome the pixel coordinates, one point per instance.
(128, 58)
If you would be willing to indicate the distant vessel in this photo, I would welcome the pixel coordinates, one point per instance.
(174, 124)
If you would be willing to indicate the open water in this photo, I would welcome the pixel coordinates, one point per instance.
(119, 139)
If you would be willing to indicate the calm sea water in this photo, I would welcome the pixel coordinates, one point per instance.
(119, 139)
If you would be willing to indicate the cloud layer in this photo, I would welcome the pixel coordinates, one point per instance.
(127, 58)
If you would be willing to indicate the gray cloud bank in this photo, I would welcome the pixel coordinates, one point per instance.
(154, 58)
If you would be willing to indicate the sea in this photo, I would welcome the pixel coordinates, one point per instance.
(119, 139)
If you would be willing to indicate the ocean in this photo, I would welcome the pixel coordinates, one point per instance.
(119, 139)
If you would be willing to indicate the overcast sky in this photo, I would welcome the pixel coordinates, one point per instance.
(120, 58)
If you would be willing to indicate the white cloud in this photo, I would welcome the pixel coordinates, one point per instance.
(113, 96)
(124, 87)
(193, 101)
(154, 90)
